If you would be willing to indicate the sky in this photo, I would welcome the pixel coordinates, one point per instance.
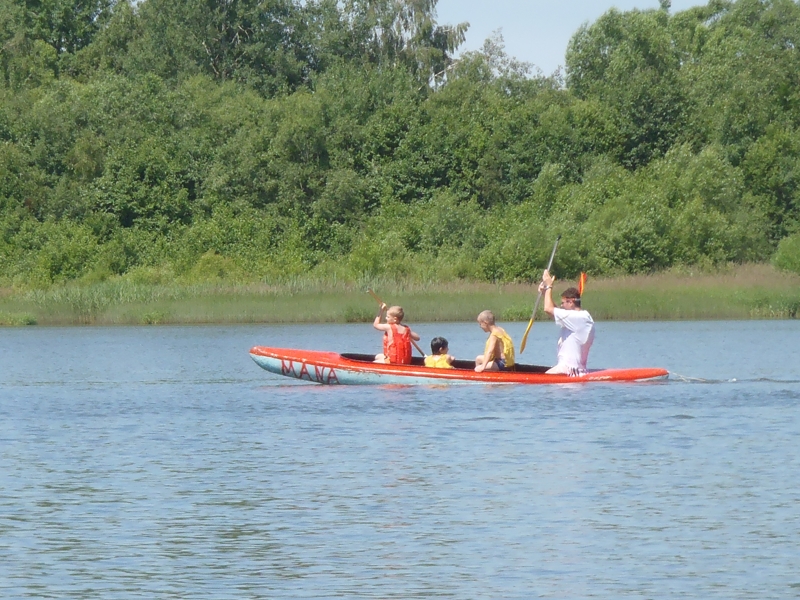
(535, 31)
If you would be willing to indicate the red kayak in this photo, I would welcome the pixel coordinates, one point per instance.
(359, 369)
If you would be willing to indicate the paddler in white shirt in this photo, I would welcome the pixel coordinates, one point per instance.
(577, 328)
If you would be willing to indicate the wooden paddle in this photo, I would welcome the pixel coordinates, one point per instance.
(538, 299)
(374, 295)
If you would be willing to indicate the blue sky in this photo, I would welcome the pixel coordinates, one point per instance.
(536, 31)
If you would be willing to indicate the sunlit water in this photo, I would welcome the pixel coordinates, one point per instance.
(161, 462)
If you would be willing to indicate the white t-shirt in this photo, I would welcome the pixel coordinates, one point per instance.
(577, 335)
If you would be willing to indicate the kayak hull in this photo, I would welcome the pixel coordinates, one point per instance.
(331, 368)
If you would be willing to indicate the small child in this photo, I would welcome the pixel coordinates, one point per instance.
(498, 355)
(396, 337)
(439, 358)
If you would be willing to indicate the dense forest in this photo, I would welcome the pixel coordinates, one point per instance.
(262, 139)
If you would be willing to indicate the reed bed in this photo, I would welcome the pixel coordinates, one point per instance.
(744, 292)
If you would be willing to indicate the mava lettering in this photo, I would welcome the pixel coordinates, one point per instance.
(326, 375)
(320, 374)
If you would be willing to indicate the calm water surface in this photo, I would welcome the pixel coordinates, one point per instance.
(161, 462)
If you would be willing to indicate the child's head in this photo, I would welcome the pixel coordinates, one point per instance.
(396, 313)
(486, 317)
(439, 345)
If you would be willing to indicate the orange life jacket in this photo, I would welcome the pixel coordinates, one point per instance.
(397, 346)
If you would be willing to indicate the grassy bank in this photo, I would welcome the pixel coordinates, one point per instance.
(745, 292)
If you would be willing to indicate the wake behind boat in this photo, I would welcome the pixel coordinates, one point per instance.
(359, 369)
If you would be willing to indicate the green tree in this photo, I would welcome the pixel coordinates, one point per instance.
(37, 36)
(66, 25)
(405, 32)
(740, 62)
(772, 170)
(629, 63)
(257, 42)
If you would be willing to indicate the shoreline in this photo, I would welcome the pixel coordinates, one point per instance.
(739, 293)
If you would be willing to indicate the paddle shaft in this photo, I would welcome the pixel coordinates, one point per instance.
(549, 266)
(538, 299)
(374, 295)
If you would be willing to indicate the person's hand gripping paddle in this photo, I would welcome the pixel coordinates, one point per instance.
(538, 299)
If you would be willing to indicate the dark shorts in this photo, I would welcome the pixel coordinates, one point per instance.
(501, 364)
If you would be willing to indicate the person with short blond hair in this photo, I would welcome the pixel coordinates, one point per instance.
(498, 354)
(396, 336)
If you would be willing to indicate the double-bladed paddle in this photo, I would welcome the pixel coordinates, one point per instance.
(538, 299)
(374, 295)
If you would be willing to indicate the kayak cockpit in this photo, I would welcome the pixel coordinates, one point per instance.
(462, 365)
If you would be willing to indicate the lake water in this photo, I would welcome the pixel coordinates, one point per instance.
(161, 462)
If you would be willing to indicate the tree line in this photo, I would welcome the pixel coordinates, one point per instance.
(266, 139)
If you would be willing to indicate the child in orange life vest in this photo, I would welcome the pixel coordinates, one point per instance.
(439, 358)
(498, 355)
(396, 337)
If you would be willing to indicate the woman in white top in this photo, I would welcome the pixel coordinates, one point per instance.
(577, 328)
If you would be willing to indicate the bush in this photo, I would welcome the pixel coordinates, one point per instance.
(211, 267)
(51, 252)
(16, 319)
(787, 258)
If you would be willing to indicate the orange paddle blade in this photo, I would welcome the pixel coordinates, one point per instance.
(581, 283)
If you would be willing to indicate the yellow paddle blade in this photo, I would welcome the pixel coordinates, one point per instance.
(525, 336)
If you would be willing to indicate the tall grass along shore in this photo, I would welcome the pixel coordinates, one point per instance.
(743, 292)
